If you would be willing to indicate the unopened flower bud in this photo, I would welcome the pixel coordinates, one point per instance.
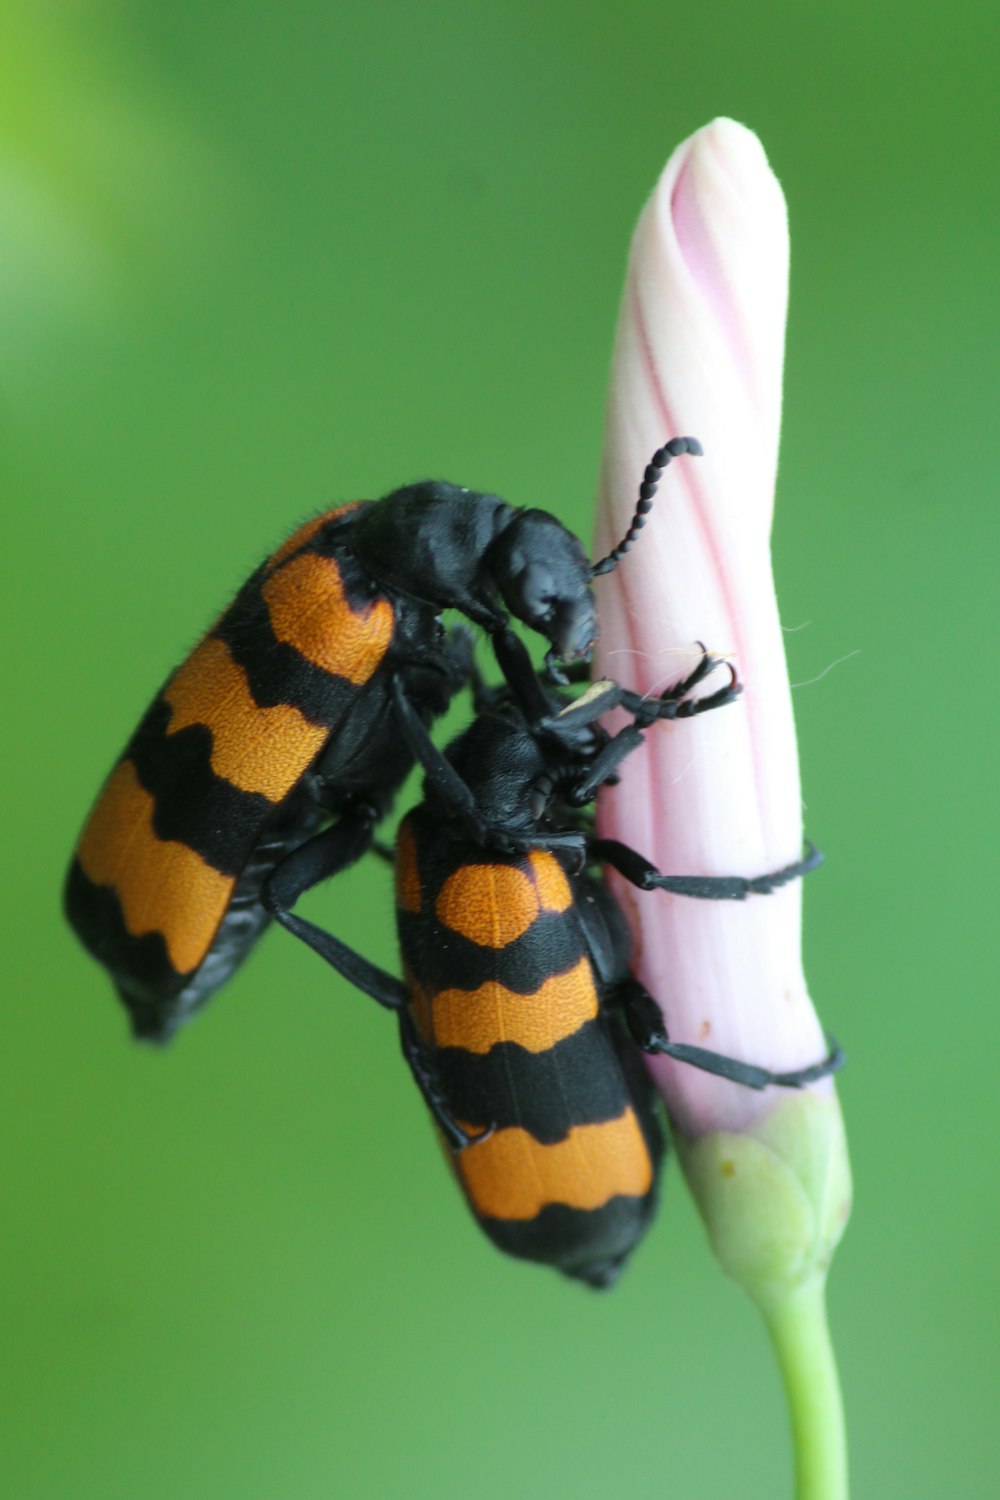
(699, 351)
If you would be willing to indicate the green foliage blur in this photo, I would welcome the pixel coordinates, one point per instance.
(255, 258)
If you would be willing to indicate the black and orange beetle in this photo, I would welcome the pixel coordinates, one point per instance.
(287, 715)
(519, 1017)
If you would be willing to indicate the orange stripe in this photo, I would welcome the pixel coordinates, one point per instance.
(305, 533)
(309, 610)
(263, 750)
(163, 886)
(477, 1020)
(407, 875)
(512, 1176)
(492, 905)
(554, 893)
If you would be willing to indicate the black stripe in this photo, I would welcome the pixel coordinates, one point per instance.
(590, 1244)
(141, 963)
(442, 959)
(579, 1081)
(193, 805)
(276, 672)
(245, 918)
(157, 998)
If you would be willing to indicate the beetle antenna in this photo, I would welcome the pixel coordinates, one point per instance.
(647, 489)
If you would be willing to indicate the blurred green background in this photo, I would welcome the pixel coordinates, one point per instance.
(254, 258)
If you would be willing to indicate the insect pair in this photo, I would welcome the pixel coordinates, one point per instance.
(268, 758)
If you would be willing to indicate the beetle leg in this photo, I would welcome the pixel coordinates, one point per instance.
(598, 698)
(577, 672)
(604, 765)
(519, 671)
(639, 872)
(486, 697)
(440, 773)
(425, 1077)
(705, 665)
(674, 702)
(326, 854)
(670, 704)
(645, 1022)
(384, 988)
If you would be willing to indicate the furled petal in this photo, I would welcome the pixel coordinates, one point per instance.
(699, 350)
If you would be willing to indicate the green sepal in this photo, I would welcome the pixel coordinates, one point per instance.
(776, 1197)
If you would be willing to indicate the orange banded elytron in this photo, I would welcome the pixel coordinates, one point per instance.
(565, 1147)
(164, 886)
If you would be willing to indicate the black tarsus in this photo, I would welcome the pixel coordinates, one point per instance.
(639, 872)
(328, 852)
(648, 1030)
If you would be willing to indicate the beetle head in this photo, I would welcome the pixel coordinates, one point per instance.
(543, 574)
(499, 760)
(516, 771)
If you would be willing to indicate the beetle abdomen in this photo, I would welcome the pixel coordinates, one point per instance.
(504, 995)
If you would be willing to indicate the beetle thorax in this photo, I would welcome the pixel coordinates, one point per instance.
(429, 539)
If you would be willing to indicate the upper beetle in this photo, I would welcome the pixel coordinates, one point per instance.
(288, 714)
(518, 1014)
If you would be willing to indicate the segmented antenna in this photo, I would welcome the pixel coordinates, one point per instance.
(647, 489)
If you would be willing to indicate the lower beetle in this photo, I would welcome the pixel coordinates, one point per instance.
(518, 1015)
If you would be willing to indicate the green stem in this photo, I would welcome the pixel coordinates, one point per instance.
(800, 1333)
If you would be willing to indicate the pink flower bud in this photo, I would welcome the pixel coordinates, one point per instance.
(699, 350)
